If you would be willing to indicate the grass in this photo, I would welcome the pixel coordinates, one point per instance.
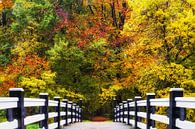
(32, 126)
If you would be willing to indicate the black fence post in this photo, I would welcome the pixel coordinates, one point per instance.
(150, 110)
(175, 112)
(120, 112)
(10, 114)
(128, 111)
(66, 111)
(136, 110)
(77, 113)
(74, 112)
(113, 107)
(71, 111)
(124, 109)
(114, 115)
(57, 109)
(44, 110)
(19, 113)
(81, 111)
(63, 109)
(117, 113)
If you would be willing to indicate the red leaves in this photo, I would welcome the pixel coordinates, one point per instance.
(85, 30)
(31, 65)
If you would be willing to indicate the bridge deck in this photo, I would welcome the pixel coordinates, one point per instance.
(98, 125)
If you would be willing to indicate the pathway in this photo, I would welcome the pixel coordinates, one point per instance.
(98, 125)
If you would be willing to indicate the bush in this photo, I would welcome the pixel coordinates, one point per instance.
(32, 126)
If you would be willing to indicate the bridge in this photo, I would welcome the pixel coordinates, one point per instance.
(130, 114)
(98, 125)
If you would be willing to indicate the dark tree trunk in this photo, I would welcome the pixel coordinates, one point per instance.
(4, 18)
(112, 5)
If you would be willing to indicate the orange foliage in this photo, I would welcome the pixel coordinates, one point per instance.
(31, 65)
(4, 87)
(92, 28)
(6, 4)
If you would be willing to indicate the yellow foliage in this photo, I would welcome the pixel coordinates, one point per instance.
(106, 95)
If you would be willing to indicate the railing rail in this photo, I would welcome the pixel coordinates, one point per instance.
(63, 112)
(140, 114)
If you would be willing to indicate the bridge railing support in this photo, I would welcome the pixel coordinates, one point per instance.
(19, 112)
(44, 110)
(120, 112)
(141, 113)
(65, 101)
(174, 111)
(136, 110)
(123, 111)
(16, 106)
(80, 110)
(150, 110)
(114, 109)
(57, 109)
(128, 111)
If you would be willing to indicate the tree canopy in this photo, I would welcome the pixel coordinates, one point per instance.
(97, 50)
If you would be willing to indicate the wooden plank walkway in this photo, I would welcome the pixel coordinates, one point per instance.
(98, 125)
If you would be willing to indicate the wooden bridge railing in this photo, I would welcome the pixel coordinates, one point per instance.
(135, 112)
(62, 113)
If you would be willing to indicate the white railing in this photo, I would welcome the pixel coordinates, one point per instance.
(141, 113)
(63, 113)
(8, 102)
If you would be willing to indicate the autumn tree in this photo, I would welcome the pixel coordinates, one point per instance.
(97, 49)
(162, 52)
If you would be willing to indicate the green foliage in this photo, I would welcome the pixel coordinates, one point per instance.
(2, 116)
(35, 14)
(33, 126)
(46, 84)
(70, 5)
(67, 62)
(5, 46)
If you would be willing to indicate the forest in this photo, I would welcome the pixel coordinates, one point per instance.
(97, 50)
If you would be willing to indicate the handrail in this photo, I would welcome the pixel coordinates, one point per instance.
(32, 102)
(8, 102)
(185, 102)
(164, 102)
(138, 111)
(64, 112)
